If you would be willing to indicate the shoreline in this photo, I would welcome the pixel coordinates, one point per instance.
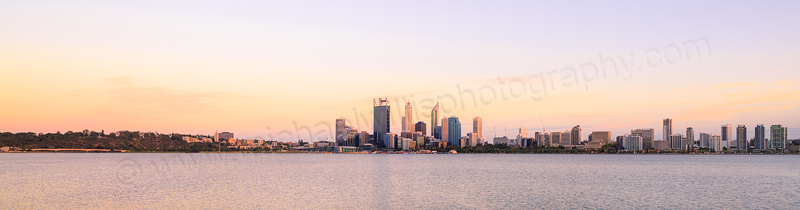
(303, 152)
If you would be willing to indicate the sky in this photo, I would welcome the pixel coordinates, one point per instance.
(285, 70)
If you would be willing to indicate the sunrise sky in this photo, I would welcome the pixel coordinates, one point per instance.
(283, 69)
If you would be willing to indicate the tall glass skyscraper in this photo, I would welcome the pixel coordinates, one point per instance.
(667, 128)
(380, 121)
(453, 131)
(727, 135)
(435, 117)
(689, 137)
(760, 140)
(408, 118)
(741, 138)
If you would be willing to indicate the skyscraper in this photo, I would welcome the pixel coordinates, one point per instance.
(473, 140)
(689, 137)
(727, 135)
(741, 138)
(390, 140)
(555, 138)
(647, 134)
(705, 141)
(453, 131)
(566, 138)
(380, 121)
(435, 117)
(340, 124)
(445, 130)
(523, 133)
(408, 119)
(576, 135)
(760, 138)
(779, 136)
(667, 128)
(477, 126)
(420, 127)
(437, 132)
(715, 143)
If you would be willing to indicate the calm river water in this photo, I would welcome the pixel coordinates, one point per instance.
(362, 181)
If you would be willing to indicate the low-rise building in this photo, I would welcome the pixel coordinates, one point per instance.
(500, 140)
(660, 145)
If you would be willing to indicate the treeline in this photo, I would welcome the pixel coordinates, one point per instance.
(504, 148)
(121, 140)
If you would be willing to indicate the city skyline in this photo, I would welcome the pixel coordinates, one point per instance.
(447, 104)
(675, 140)
(267, 70)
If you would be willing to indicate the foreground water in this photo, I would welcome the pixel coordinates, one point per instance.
(333, 181)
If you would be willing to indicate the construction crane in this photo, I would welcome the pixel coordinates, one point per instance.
(543, 130)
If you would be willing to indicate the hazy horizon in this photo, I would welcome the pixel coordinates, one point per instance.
(270, 70)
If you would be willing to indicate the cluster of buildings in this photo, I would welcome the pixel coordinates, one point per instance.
(227, 137)
(414, 136)
(727, 139)
(446, 131)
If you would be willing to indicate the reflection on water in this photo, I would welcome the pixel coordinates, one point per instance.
(337, 181)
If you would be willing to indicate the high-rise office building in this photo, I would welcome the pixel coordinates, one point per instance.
(715, 143)
(741, 138)
(435, 117)
(555, 137)
(390, 140)
(727, 135)
(340, 124)
(576, 135)
(523, 133)
(363, 138)
(437, 132)
(602, 136)
(545, 138)
(647, 134)
(689, 137)
(760, 142)
(381, 119)
(445, 130)
(667, 128)
(408, 119)
(566, 138)
(632, 143)
(637, 132)
(705, 141)
(420, 127)
(779, 136)
(473, 139)
(477, 126)
(453, 131)
(676, 142)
